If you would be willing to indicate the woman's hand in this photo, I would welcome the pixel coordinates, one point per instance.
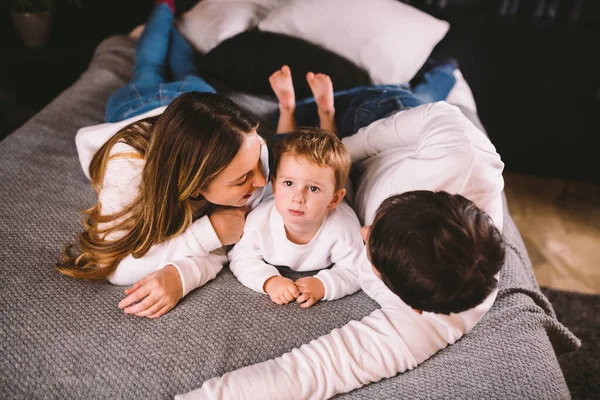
(157, 293)
(228, 223)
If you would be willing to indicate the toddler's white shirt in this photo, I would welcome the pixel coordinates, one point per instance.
(265, 244)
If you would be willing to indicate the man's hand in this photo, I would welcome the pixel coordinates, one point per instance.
(311, 291)
(282, 290)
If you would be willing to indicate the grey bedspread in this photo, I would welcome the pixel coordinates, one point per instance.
(65, 339)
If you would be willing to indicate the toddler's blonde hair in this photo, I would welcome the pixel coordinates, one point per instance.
(319, 147)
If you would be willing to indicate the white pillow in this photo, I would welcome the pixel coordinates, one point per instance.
(388, 39)
(210, 22)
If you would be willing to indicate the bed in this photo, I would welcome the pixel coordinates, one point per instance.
(64, 338)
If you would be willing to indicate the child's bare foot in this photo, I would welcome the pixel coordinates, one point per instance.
(283, 86)
(322, 89)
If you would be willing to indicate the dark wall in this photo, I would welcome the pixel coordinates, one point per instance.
(31, 78)
(532, 64)
(534, 70)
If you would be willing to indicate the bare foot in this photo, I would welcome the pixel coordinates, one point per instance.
(322, 89)
(282, 85)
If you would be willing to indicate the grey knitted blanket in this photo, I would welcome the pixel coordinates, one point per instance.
(62, 338)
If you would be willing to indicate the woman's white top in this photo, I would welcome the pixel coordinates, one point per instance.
(197, 253)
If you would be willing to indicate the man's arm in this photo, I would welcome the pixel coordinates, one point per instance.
(403, 129)
(434, 125)
(387, 342)
(430, 147)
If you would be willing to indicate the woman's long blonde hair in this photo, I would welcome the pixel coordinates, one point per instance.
(185, 148)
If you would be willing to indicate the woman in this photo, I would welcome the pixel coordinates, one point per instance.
(171, 188)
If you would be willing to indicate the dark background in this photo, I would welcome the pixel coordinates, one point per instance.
(533, 67)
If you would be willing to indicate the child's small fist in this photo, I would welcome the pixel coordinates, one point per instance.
(282, 290)
(311, 290)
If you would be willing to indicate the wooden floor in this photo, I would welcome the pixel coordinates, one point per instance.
(560, 224)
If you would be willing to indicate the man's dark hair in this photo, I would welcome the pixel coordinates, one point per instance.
(437, 251)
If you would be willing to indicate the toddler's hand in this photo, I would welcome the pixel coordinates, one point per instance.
(282, 290)
(311, 290)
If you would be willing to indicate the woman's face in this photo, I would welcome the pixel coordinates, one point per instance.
(235, 184)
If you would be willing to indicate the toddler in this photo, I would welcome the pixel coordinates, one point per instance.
(305, 225)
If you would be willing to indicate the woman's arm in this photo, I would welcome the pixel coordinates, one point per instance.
(197, 271)
(170, 269)
(198, 240)
(120, 187)
(206, 234)
(191, 269)
(160, 291)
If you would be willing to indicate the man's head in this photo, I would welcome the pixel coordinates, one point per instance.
(438, 252)
(311, 168)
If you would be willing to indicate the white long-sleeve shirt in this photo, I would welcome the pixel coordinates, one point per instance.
(196, 253)
(431, 147)
(265, 244)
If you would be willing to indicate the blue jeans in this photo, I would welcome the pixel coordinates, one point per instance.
(160, 50)
(357, 107)
(436, 84)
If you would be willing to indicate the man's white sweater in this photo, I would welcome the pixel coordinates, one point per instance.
(265, 244)
(431, 147)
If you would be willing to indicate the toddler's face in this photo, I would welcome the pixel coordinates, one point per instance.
(303, 192)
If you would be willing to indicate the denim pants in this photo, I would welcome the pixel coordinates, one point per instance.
(359, 107)
(161, 52)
